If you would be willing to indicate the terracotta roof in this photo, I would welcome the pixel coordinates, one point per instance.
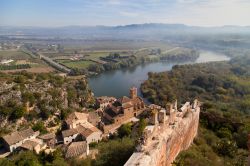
(47, 136)
(76, 116)
(76, 149)
(87, 130)
(94, 118)
(127, 105)
(29, 145)
(26, 133)
(84, 131)
(15, 137)
(69, 132)
(110, 112)
(136, 100)
(105, 99)
(124, 99)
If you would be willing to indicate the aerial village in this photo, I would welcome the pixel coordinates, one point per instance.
(80, 129)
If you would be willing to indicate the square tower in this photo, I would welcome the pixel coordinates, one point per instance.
(133, 92)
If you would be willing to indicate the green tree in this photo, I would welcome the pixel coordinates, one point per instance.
(125, 130)
(39, 126)
(17, 112)
(226, 147)
(142, 125)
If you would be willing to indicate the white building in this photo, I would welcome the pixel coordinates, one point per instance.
(5, 61)
(80, 129)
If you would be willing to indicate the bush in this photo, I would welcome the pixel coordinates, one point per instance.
(125, 130)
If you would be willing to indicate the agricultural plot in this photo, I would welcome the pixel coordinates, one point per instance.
(81, 64)
(15, 55)
(22, 61)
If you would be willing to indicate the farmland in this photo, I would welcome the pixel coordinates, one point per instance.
(15, 55)
(23, 61)
(76, 64)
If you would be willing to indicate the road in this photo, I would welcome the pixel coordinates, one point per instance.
(54, 64)
(170, 50)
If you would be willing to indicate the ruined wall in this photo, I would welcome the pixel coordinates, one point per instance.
(181, 138)
(169, 140)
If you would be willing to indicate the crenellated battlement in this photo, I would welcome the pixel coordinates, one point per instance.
(171, 130)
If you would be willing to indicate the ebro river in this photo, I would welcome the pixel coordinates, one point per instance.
(117, 82)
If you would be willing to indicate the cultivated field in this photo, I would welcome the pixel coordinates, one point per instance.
(21, 58)
(76, 64)
(15, 55)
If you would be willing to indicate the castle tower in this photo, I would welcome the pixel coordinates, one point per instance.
(154, 117)
(133, 92)
(171, 111)
(162, 116)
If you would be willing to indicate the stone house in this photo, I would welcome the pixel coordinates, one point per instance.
(77, 149)
(34, 145)
(69, 135)
(104, 101)
(80, 129)
(49, 139)
(76, 119)
(94, 118)
(90, 133)
(86, 132)
(124, 108)
(16, 139)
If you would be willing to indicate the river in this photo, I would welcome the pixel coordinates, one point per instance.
(117, 83)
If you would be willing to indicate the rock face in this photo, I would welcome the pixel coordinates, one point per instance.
(164, 140)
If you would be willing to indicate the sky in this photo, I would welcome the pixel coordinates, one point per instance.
(56, 13)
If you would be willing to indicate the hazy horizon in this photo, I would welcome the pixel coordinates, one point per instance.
(61, 13)
(118, 25)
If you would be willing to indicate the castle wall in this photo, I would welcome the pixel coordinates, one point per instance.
(169, 141)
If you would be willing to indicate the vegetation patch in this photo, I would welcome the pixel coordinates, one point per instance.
(224, 89)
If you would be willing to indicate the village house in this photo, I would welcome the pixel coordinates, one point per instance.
(16, 139)
(34, 145)
(80, 129)
(48, 139)
(89, 133)
(76, 119)
(69, 135)
(77, 149)
(124, 108)
(122, 111)
(86, 132)
(94, 118)
(104, 101)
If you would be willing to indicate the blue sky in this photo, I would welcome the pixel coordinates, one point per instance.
(52, 13)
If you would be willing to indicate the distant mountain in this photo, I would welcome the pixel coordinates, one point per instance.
(145, 31)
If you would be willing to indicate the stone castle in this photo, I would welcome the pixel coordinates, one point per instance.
(171, 130)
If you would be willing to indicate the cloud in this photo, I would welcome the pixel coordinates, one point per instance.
(129, 14)
(114, 12)
(114, 2)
